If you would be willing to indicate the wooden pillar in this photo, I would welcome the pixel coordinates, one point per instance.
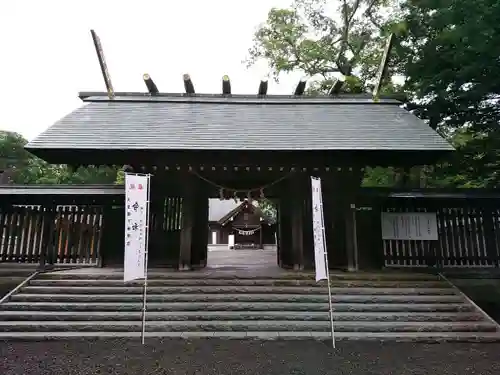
(352, 183)
(199, 245)
(277, 227)
(334, 222)
(285, 227)
(113, 237)
(194, 229)
(307, 225)
(370, 243)
(261, 235)
(187, 225)
(156, 246)
(339, 197)
(296, 188)
(351, 236)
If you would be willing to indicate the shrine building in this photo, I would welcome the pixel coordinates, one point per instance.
(250, 227)
(246, 146)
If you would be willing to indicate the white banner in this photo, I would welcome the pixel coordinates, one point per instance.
(409, 226)
(318, 230)
(136, 223)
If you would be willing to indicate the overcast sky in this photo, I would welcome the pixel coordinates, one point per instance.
(48, 56)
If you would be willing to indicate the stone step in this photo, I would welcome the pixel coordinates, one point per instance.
(424, 337)
(233, 289)
(238, 315)
(320, 298)
(119, 306)
(98, 273)
(241, 282)
(245, 326)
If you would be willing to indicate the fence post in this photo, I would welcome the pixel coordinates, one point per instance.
(490, 234)
(47, 256)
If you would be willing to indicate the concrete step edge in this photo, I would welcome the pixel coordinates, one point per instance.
(231, 275)
(427, 337)
(216, 313)
(194, 296)
(30, 289)
(240, 306)
(229, 323)
(228, 281)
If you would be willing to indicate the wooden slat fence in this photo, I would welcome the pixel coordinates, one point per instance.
(75, 231)
(468, 237)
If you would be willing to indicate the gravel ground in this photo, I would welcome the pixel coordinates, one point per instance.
(228, 357)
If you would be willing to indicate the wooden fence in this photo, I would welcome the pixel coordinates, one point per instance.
(468, 236)
(75, 232)
(468, 233)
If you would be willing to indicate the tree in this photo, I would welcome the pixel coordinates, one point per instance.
(323, 41)
(14, 159)
(268, 208)
(21, 167)
(120, 177)
(452, 70)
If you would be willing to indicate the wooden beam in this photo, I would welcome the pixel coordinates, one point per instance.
(336, 87)
(102, 64)
(226, 85)
(383, 67)
(153, 90)
(301, 87)
(262, 88)
(188, 84)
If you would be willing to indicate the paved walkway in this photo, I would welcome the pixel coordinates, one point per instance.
(255, 259)
(220, 261)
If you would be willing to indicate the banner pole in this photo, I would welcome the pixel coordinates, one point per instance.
(146, 244)
(330, 304)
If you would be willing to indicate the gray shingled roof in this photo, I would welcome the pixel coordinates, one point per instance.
(217, 209)
(235, 123)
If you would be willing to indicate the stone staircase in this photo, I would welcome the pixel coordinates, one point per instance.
(382, 306)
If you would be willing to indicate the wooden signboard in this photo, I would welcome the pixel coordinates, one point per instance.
(409, 226)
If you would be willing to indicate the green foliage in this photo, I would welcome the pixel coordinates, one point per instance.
(452, 69)
(450, 61)
(379, 177)
(268, 208)
(120, 177)
(326, 39)
(13, 157)
(22, 167)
